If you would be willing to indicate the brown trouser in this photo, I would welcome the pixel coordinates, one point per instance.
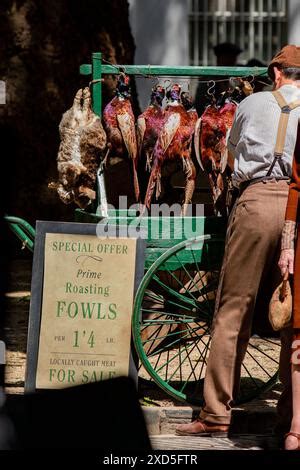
(251, 256)
(296, 291)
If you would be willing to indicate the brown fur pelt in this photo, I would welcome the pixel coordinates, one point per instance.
(82, 147)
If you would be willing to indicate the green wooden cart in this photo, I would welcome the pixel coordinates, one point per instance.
(174, 304)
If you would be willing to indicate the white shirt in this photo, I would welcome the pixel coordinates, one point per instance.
(253, 135)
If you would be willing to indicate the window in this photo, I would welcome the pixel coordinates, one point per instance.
(259, 27)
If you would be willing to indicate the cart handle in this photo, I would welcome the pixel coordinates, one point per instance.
(23, 230)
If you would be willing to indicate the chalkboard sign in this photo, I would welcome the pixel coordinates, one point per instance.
(82, 295)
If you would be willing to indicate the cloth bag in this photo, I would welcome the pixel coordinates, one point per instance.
(281, 305)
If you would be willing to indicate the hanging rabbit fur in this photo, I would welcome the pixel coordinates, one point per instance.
(82, 147)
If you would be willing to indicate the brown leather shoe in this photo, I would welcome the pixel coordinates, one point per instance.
(202, 428)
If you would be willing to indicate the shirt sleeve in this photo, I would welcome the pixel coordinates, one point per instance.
(294, 192)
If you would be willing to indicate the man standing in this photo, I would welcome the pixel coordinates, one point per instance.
(262, 142)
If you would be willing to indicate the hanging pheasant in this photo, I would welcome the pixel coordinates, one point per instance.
(82, 146)
(174, 143)
(210, 148)
(149, 124)
(211, 134)
(188, 105)
(119, 123)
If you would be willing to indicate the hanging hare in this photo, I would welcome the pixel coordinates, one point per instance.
(82, 147)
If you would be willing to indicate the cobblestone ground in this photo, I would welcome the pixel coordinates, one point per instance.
(17, 314)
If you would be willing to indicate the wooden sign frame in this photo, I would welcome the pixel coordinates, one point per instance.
(43, 228)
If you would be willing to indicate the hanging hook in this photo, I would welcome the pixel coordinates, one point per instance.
(155, 81)
(252, 82)
(92, 82)
(234, 83)
(186, 83)
(167, 84)
(251, 79)
(211, 86)
(248, 85)
(122, 72)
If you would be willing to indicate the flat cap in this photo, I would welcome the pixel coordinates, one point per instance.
(289, 56)
(227, 48)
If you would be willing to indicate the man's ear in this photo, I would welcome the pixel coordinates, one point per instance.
(278, 77)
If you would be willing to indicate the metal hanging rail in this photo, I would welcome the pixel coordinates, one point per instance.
(179, 70)
(96, 69)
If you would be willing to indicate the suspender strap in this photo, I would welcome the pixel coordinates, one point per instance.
(282, 128)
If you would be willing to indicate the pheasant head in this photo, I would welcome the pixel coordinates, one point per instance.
(123, 86)
(157, 95)
(173, 94)
(187, 100)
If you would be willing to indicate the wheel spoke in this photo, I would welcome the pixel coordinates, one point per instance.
(178, 305)
(204, 331)
(198, 269)
(157, 361)
(200, 339)
(188, 352)
(183, 286)
(173, 292)
(187, 273)
(205, 355)
(201, 310)
(153, 341)
(203, 294)
(171, 314)
(180, 315)
(167, 322)
(175, 333)
(174, 342)
(255, 360)
(146, 326)
(167, 368)
(250, 376)
(155, 297)
(193, 368)
(264, 353)
(164, 364)
(271, 342)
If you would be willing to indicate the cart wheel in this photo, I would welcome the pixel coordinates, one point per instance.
(172, 320)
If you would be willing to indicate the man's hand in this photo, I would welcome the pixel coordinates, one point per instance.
(286, 261)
